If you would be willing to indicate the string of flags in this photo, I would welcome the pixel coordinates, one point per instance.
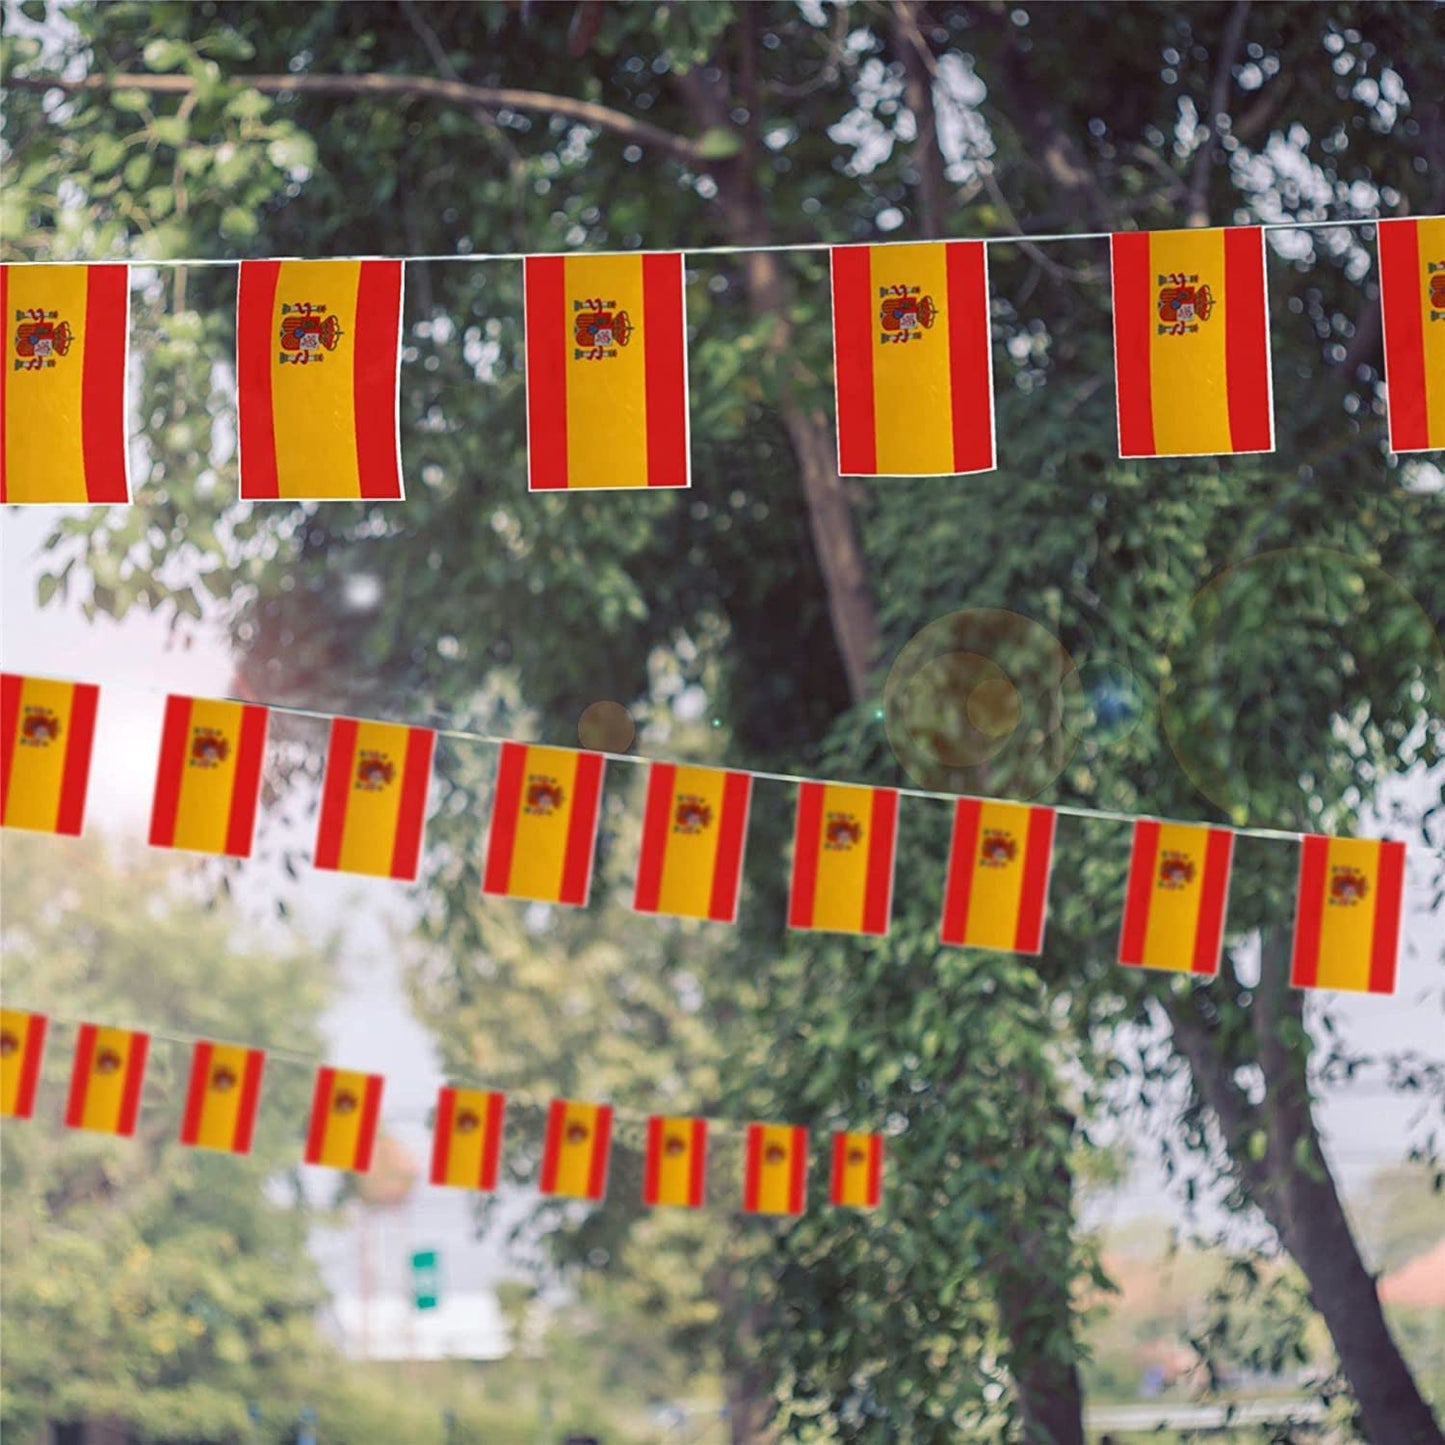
(223, 1094)
(546, 808)
(318, 364)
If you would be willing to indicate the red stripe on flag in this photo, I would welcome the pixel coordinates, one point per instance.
(798, 1185)
(544, 291)
(255, 345)
(1213, 896)
(506, 803)
(492, 1144)
(376, 370)
(1309, 911)
(411, 808)
(250, 1097)
(853, 343)
(650, 1160)
(807, 837)
(958, 891)
(30, 1066)
(366, 1134)
(196, 1092)
(969, 357)
(80, 1076)
(556, 1122)
(664, 360)
(320, 1108)
(246, 788)
(1385, 945)
(601, 1149)
(582, 830)
(335, 791)
(441, 1145)
(878, 894)
(1139, 892)
(697, 1164)
(174, 733)
(657, 813)
(1133, 288)
(731, 835)
(102, 385)
(1034, 894)
(1401, 310)
(1246, 341)
(836, 1175)
(11, 686)
(875, 1170)
(753, 1168)
(70, 815)
(135, 1072)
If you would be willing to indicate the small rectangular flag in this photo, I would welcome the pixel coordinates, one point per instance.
(606, 347)
(1177, 894)
(22, 1045)
(776, 1176)
(467, 1139)
(574, 1157)
(373, 802)
(1412, 303)
(47, 730)
(318, 370)
(998, 876)
(106, 1081)
(222, 1096)
(209, 779)
(675, 1166)
(544, 824)
(843, 858)
(693, 829)
(62, 384)
(1191, 342)
(345, 1109)
(857, 1177)
(1347, 920)
(912, 360)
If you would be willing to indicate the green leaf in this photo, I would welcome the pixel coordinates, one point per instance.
(165, 54)
(132, 101)
(719, 142)
(292, 152)
(238, 224)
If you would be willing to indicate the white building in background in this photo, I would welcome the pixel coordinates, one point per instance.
(388, 1327)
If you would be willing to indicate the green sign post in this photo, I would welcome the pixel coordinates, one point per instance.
(425, 1279)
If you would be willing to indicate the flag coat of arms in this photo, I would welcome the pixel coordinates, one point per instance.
(209, 779)
(1412, 303)
(373, 801)
(574, 1155)
(62, 384)
(912, 360)
(998, 876)
(843, 854)
(606, 352)
(222, 1096)
(775, 1177)
(317, 377)
(345, 1109)
(856, 1181)
(47, 730)
(106, 1080)
(693, 830)
(467, 1139)
(544, 824)
(1347, 923)
(22, 1046)
(1177, 895)
(1191, 342)
(675, 1164)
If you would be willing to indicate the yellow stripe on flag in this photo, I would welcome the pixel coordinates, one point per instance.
(105, 1091)
(369, 837)
(674, 1165)
(343, 1126)
(203, 813)
(1347, 933)
(854, 1184)
(39, 775)
(775, 1169)
(1189, 379)
(993, 913)
(16, 1028)
(689, 861)
(540, 847)
(221, 1108)
(1174, 912)
(576, 1150)
(842, 884)
(467, 1147)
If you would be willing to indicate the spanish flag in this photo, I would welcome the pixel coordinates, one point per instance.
(544, 824)
(606, 372)
(317, 377)
(209, 779)
(675, 1166)
(1177, 893)
(106, 1081)
(222, 1096)
(1191, 343)
(775, 1180)
(1347, 924)
(912, 359)
(1412, 301)
(574, 1157)
(998, 876)
(62, 384)
(467, 1139)
(344, 1113)
(843, 858)
(694, 825)
(857, 1176)
(22, 1044)
(46, 733)
(373, 802)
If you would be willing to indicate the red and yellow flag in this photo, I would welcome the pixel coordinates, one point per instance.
(843, 858)
(373, 802)
(857, 1176)
(675, 1165)
(544, 824)
(62, 384)
(775, 1180)
(693, 829)
(105, 1084)
(912, 359)
(574, 1157)
(344, 1112)
(998, 876)
(317, 373)
(1347, 924)
(467, 1140)
(606, 372)
(46, 733)
(1177, 893)
(1412, 302)
(209, 779)
(1191, 342)
(22, 1045)
(222, 1096)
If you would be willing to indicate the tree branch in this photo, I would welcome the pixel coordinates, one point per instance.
(1198, 212)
